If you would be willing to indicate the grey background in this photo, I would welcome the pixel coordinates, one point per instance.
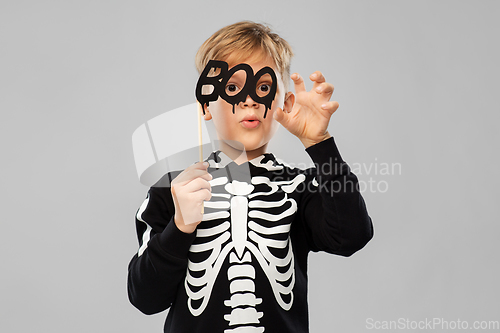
(416, 82)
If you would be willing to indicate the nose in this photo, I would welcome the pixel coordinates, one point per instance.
(249, 102)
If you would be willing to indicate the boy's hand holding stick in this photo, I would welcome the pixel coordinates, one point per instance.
(190, 189)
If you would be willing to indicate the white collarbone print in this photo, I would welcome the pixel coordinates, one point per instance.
(247, 224)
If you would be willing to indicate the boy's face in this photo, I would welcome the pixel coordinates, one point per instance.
(247, 126)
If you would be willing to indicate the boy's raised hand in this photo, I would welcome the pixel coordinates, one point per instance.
(311, 112)
(189, 189)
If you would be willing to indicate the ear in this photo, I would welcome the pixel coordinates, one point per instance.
(207, 116)
(289, 102)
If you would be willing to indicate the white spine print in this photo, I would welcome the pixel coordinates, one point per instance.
(240, 274)
(244, 236)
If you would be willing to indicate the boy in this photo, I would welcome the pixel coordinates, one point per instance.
(241, 265)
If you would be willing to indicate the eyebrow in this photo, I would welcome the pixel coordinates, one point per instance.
(239, 75)
(265, 77)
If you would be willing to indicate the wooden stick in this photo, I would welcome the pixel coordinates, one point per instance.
(200, 143)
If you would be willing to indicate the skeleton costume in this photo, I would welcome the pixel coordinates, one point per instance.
(245, 267)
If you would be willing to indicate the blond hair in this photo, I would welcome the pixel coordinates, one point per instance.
(246, 40)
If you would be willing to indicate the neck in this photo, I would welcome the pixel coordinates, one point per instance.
(240, 156)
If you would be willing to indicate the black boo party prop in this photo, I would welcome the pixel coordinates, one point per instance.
(219, 83)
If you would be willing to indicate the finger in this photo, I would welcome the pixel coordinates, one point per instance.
(195, 166)
(199, 196)
(318, 78)
(197, 184)
(198, 165)
(330, 106)
(325, 88)
(281, 116)
(195, 173)
(189, 175)
(298, 83)
(204, 175)
(202, 195)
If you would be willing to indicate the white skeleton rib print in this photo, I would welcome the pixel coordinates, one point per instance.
(242, 230)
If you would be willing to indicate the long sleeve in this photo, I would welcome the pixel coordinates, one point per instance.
(159, 267)
(334, 212)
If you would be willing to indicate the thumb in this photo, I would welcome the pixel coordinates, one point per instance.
(281, 117)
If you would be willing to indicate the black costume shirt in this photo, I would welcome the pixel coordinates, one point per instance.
(245, 267)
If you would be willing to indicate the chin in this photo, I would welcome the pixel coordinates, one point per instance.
(247, 145)
(256, 147)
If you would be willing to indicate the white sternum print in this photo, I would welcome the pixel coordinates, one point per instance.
(243, 238)
(240, 273)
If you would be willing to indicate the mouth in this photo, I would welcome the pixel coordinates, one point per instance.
(250, 121)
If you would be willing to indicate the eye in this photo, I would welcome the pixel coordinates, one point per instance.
(231, 89)
(263, 89)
